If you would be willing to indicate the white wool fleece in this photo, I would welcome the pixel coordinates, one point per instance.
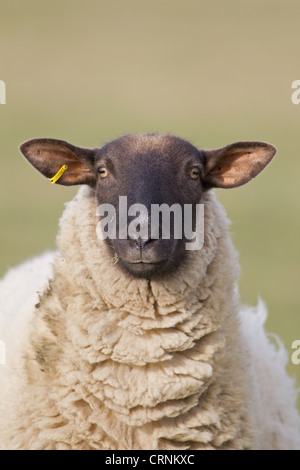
(107, 361)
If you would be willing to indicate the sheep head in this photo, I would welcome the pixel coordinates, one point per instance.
(148, 171)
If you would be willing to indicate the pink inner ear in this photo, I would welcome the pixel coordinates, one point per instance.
(49, 158)
(76, 173)
(239, 166)
(57, 156)
(232, 167)
(53, 159)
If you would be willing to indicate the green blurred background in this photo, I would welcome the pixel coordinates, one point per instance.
(211, 72)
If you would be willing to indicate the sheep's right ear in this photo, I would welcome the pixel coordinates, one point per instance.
(48, 156)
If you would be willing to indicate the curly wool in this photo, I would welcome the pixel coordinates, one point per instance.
(108, 361)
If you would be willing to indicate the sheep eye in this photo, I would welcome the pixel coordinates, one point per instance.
(195, 173)
(103, 172)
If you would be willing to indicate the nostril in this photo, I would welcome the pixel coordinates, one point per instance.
(141, 243)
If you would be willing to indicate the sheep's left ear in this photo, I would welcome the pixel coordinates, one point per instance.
(236, 164)
(48, 156)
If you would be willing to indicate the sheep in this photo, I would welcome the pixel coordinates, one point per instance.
(138, 343)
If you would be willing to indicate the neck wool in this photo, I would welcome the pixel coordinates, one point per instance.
(127, 363)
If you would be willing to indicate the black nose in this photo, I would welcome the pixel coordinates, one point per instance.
(141, 243)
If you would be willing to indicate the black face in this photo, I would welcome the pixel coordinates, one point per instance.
(148, 170)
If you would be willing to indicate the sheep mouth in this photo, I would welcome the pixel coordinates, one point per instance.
(156, 257)
(143, 268)
(141, 261)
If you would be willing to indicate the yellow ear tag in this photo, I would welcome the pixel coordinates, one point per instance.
(58, 174)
